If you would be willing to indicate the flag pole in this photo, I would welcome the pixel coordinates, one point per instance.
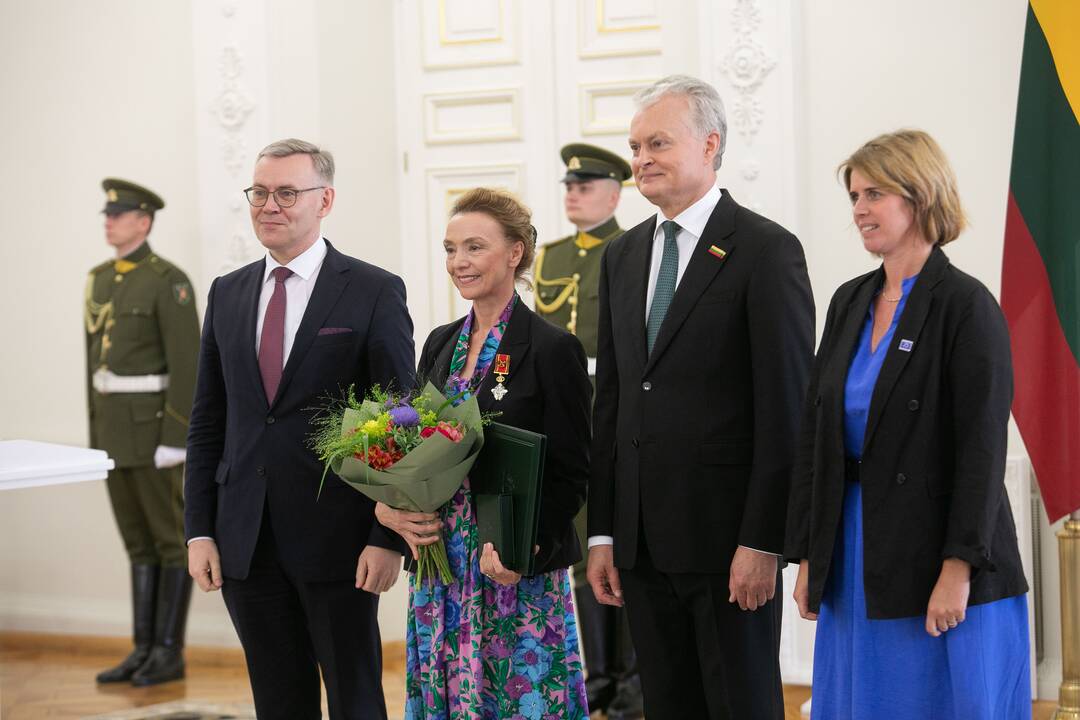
(1069, 556)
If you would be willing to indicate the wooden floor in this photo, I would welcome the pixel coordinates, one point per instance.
(52, 676)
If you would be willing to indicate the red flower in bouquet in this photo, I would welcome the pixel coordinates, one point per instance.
(378, 458)
(410, 451)
(451, 432)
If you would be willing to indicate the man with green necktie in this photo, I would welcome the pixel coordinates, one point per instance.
(705, 339)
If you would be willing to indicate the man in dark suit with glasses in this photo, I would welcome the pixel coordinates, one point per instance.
(300, 573)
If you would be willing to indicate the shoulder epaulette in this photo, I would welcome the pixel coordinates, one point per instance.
(159, 264)
(103, 266)
(560, 241)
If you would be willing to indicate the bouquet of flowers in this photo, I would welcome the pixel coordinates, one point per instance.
(410, 451)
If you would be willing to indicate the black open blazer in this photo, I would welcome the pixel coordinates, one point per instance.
(247, 454)
(933, 462)
(548, 391)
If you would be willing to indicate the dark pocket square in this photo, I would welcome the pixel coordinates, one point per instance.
(334, 331)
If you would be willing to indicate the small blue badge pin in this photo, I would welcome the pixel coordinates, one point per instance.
(906, 345)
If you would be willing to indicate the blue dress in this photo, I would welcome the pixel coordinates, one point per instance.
(893, 669)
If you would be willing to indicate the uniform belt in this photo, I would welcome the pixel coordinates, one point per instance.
(106, 382)
(851, 469)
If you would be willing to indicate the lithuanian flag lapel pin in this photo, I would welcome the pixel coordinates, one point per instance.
(717, 252)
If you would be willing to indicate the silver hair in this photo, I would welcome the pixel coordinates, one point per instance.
(321, 159)
(706, 107)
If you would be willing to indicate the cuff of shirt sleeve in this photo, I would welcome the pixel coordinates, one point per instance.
(201, 537)
(763, 552)
(596, 540)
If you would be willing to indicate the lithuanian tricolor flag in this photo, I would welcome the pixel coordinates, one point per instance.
(1040, 289)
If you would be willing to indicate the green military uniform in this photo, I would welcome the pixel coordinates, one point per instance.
(142, 343)
(568, 281)
(567, 275)
(567, 272)
(141, 321)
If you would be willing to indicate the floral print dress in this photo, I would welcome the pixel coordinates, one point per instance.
(478, 650)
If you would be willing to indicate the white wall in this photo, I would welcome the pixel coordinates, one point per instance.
(89, 90)
(875, 67)
(97, 89)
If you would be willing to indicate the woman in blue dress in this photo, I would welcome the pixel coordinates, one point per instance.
(898, 515)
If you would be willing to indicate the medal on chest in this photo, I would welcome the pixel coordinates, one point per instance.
(501, 369)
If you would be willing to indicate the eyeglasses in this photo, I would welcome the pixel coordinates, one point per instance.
(284, 197)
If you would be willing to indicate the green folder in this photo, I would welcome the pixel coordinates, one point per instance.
(506, 482)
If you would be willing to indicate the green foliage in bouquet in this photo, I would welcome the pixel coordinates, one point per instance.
(409, 451)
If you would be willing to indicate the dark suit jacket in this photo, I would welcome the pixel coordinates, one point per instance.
(245, 453)
(933, 464)
(548, 392)
(694, 443)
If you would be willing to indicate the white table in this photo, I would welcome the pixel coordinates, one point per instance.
(28, 463)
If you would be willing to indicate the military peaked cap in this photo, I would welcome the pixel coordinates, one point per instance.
(588, 162)
(122, 195)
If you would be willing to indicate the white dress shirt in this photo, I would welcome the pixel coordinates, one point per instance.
(691, 222)
(298, 287)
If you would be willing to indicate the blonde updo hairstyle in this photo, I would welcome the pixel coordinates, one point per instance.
(513, 217)
(911, 164)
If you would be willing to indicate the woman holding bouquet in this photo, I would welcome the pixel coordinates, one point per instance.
(492, 644)
(898, 515)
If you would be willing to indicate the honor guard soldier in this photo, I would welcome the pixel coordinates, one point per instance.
(142, 344)
(567, 294)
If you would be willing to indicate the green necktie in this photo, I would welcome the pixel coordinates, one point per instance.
(665, 283)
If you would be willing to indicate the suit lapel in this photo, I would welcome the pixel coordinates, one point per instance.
(630, 292)
(834, 372)
(515, 343)
(847, 338)
(250, 291)
(440, 370)
(911, 323)
(333, 277)
(700, 273)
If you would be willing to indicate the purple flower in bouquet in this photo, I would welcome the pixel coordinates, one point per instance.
(404, 416)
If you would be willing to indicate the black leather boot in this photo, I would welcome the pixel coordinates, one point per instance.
(627, 703)
(166, 660)
(144, 582)
(597, 638)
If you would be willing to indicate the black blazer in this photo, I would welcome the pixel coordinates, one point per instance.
(694, 443)
(933, 463)
(244, 453)
(548, 392)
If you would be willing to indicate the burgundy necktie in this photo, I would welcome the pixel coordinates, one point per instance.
(272, 343)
